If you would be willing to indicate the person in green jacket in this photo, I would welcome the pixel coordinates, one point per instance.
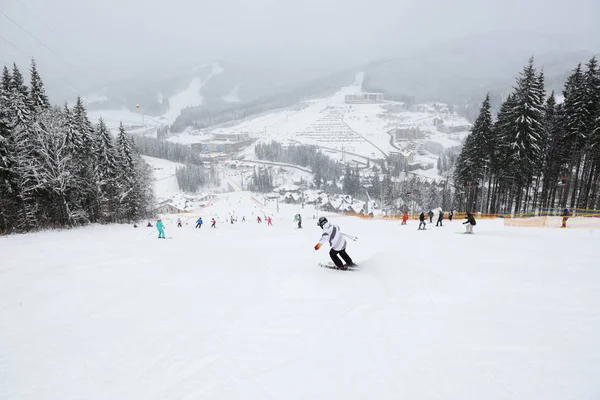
(161, 229)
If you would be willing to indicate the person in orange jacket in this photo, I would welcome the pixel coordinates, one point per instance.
(404, 218)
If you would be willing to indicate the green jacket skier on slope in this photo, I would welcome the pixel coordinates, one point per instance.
(161, 229)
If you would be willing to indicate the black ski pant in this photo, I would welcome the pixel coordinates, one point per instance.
(439, 223)
(422, 224)
(336, 259)
(299, 224)
(198, 225)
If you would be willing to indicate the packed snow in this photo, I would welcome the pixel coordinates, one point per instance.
(244, 312)
(163, 172)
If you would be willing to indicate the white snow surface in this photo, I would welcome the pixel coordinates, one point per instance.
(243, 311)
(113, 118)
(233, 96)
(190, 97)
(163, 172)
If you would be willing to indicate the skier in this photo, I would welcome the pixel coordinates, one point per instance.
(258, 219)
(404, 218)
(422, 221)
(450, 215)
(565, 217)
(199, 223)
(440, 218)
(470, 222)
(333, 235)
(430, 213)
(149, 225)
(244, 218)
(213, 223)
(298, 218)
(179, 222)
(269, 221)
(161, 229)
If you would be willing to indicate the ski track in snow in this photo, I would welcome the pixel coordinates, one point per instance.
(244, 312)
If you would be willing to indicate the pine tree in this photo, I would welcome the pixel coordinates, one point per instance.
(476, 154)
(19, 108)
(7, 198)
(37, 94)
(5, 83)
(106, 173)
(576, 124)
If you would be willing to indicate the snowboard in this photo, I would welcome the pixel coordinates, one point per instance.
(332, 266)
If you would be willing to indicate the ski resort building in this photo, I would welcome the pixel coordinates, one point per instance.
(364, 98)
(224, 143)
(167, 209)
(408, 133)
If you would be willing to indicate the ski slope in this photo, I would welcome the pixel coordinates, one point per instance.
(243, 312)
(163, 174)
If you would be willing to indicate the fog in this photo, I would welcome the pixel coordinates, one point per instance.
(82, 43)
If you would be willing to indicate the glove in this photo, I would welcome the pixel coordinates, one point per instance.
(317, 246)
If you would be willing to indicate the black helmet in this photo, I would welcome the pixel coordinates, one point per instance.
(322, 221)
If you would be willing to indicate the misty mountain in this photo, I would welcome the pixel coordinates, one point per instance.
(461, 71)
(211, 84)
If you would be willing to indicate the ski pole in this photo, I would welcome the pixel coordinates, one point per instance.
(354, 238)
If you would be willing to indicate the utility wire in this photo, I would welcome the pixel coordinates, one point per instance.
(50, 69)
(38, 40)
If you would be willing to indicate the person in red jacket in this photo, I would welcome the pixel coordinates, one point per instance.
(404, 218)
(213, 223)
(269, 221)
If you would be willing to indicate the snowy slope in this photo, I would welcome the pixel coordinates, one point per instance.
(347, 132)
(243, 312)
(163, 172)
(191, 96)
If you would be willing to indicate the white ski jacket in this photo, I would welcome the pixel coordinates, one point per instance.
(333, 235)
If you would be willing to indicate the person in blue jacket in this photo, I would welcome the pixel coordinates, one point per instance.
(161, 229)
(199, 223)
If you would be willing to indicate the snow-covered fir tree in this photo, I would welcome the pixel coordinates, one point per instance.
(55, 171)
(37, 94)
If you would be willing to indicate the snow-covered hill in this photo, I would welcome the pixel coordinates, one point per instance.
(354, 133)
(215, 84)
(243, 312)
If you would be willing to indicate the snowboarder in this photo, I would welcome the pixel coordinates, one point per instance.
(404, 218)
(430, 213)
(422, 222)
(565, 217)
(440, 219)
(470, 222)
(213, 223)
(199, 223)
(269, 221)
(450, 215)
(149, 225)
(179, 222)
(333, 235)
(161, 229)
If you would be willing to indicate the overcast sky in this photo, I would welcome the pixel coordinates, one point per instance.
(92, 40)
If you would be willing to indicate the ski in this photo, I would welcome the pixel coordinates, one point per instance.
(332, 266)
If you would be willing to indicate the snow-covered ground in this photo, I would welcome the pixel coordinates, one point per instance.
(243, 312)
(349, 133)
(163, 172)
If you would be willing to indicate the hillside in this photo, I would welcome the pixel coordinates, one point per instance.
(111, 312)
(461, 71)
